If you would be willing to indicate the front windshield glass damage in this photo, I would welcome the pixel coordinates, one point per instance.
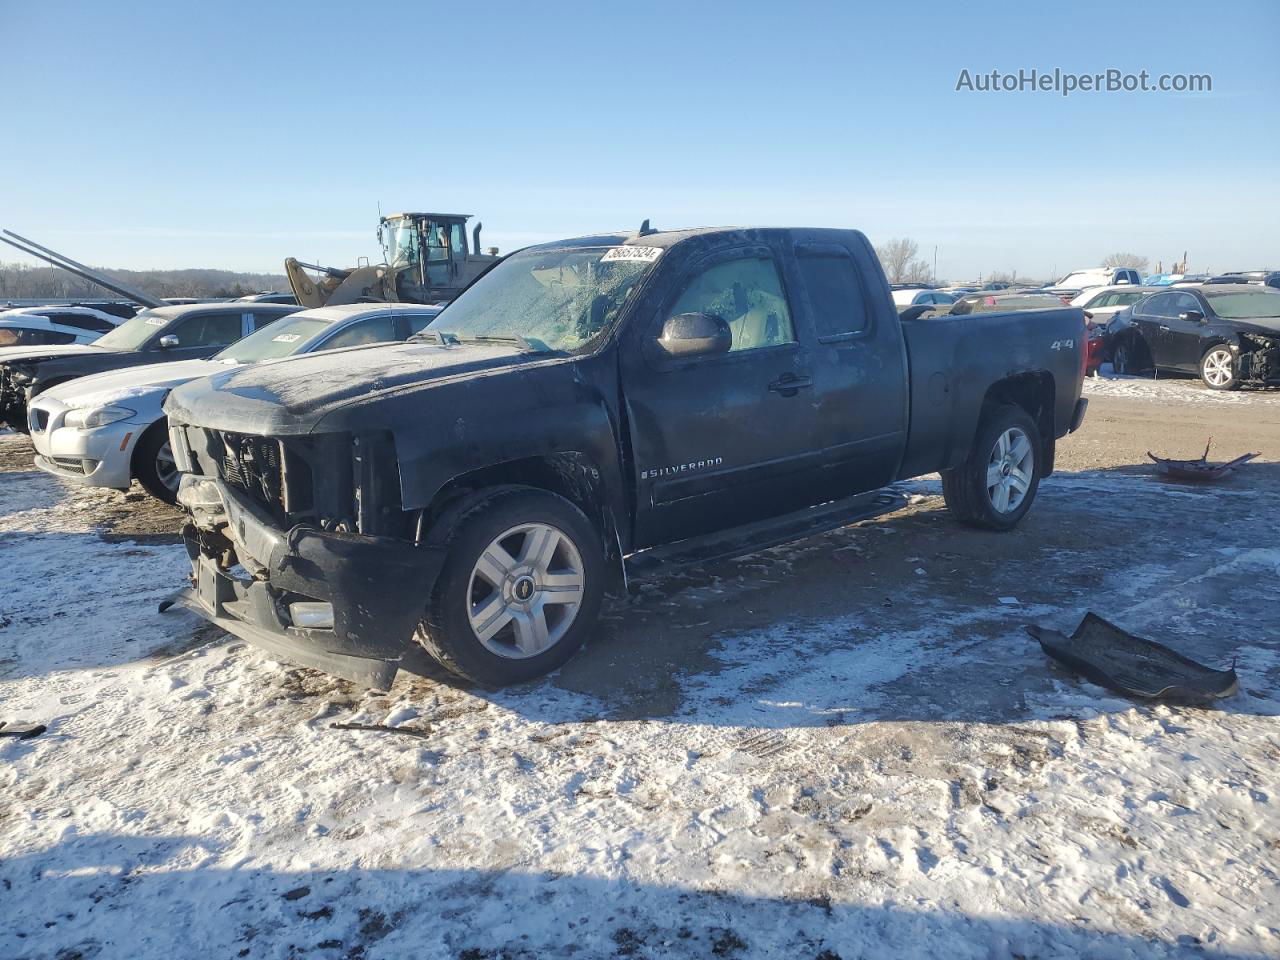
(546, 299)
(134, 332)
(281, 338)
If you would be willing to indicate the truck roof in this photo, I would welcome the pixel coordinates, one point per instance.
(669, 238)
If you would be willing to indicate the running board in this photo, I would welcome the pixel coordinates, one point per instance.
(660, 561)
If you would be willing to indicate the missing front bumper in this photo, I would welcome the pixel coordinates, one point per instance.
(377, 588)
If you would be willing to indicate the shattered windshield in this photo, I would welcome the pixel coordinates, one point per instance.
(1240, 306)
(282, 338)
(547, 299)
(134, 332)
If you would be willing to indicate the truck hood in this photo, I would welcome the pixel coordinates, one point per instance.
(46, 352)
(101, 389)
(292, 396)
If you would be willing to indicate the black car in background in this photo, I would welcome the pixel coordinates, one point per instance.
(188, 332)
(1266, 278)
(1226, 333)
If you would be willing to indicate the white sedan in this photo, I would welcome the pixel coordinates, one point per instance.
(46, 326)
(1103, 303)
(107, 429)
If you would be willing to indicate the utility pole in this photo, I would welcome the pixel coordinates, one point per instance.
(935, 263)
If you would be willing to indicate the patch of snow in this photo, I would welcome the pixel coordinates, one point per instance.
(814, 794)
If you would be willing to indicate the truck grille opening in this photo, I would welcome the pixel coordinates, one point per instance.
(253, 465)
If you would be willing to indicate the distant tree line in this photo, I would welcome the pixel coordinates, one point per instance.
(21, 281)
(902, 264)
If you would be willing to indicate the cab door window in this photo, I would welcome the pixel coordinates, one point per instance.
(747, 294)
(374, 330)
(210, 330)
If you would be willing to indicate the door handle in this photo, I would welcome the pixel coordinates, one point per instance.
(1164, 328)
(788, 385)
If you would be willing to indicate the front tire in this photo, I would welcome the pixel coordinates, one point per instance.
(520, 588)
(1218, 369)
(994, 488)
(154, 465)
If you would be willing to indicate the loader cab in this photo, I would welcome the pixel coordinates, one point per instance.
(429, 254)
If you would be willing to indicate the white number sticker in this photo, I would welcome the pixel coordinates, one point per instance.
(287, 338)
(156, 321)
(641, 254)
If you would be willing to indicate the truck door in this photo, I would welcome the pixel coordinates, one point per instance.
(729, 438)
(859, 364)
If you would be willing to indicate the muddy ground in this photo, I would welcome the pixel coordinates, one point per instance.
(842, 747)
(1066, 547)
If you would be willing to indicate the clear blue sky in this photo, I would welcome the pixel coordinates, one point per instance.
(166, 134)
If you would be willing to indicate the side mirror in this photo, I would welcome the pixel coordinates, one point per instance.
(1192, 316)
(695, 335)
(168, 342)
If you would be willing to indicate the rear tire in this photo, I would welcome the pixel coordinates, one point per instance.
(153, 463)
(520, 589)
(1130, 357)
(995, 486)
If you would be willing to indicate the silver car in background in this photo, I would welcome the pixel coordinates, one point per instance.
(108, 429)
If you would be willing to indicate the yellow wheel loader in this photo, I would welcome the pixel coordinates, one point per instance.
(426, 260)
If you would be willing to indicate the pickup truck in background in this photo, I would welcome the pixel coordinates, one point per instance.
(590, 411)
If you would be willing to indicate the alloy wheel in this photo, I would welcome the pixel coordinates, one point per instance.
(167, 467)
(1217, 367)
(1009, 470)
(525, 590)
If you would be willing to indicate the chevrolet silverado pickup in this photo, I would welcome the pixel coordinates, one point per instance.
(588, 412)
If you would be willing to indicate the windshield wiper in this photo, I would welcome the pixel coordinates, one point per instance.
(526, 344)
(442, 337)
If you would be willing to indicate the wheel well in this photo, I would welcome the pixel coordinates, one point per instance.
(162, 424)
(1034, 393)
(569, 475)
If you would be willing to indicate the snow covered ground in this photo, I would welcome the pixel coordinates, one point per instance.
(1173, 388)
(844, 748)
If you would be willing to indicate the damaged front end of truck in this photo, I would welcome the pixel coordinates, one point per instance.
(294, 542)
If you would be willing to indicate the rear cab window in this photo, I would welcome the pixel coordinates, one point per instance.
(835, 293)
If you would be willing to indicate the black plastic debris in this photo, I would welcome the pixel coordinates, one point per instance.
(23, 731)
(419, 732)
(1114, 658)
(1199, 470)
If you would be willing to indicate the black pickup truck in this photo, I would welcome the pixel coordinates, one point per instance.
(184, 332)
(587, 412)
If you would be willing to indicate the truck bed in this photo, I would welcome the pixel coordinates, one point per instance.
(949, 355)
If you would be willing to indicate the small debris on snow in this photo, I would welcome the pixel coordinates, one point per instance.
(23, 731)
(419, 732)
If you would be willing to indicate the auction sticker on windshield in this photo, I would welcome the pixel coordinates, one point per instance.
(287, 338)
(642, 254)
